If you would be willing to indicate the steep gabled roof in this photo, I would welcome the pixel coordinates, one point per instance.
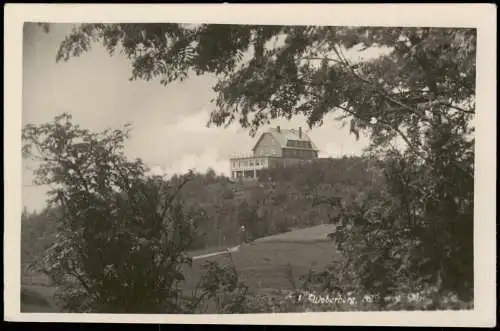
(284, 135)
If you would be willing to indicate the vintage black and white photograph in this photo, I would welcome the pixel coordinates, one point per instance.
(225, 168)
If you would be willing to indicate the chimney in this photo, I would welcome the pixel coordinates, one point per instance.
(300, 132)
(278, 129)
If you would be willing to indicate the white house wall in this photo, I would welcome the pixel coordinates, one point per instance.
(268, 146)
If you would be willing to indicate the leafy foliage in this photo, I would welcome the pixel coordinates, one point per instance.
(306, 72)
(121, 235)
(38, 231)
(222, 287)
(397, 237)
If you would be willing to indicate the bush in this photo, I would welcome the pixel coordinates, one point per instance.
(395, 238)
(121, 234)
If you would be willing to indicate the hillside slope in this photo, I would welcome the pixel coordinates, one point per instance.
(270, 263)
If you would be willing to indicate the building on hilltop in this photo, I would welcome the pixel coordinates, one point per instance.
(275, 147)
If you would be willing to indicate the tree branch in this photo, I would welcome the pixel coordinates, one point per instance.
(71, 271)
(170, 199)
(381, 91)
(447, 104)
(320, 59)
(415, 149)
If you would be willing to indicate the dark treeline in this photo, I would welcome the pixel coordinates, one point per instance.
(281, 200)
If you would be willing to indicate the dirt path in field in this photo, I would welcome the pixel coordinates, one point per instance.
(226, 251)
(311, 234)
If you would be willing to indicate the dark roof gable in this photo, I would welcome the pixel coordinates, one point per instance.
(282, 136)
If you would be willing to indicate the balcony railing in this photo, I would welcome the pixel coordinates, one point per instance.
(242, 156)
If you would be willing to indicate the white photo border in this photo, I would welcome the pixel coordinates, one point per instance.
(480, 16)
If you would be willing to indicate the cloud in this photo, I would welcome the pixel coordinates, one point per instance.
(195, 123)
(201, 163)
(209, 159)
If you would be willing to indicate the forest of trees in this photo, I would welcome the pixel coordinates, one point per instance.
(406, 223)
(288, 198)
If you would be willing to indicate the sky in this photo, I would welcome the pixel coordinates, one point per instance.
(169, 130)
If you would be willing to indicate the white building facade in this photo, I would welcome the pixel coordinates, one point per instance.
(274, 148)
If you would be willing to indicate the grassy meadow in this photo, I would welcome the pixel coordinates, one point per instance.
(263, 265)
